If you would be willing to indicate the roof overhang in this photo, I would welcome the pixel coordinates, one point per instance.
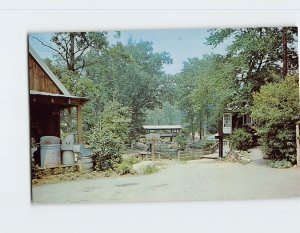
(162, 127)
(62, 101)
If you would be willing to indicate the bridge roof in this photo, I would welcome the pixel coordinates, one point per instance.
(161, 127)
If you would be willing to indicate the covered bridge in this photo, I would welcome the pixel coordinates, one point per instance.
(48, 97)
(165, 131)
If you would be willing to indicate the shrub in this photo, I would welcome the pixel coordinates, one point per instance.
(36, 173)
(149, 170)
(240, 139)
(124, 168)
(182, 138)
(206, 143)
(203, 144)
(276, 112)
(280, 163)
(108, 138)
(196, 145)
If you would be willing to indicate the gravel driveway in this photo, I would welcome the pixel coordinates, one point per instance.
(206, 179)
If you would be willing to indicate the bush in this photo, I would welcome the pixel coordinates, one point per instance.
(280, 164)
(107, 148)
(203, 144)
(240, 139)
(276, 112)
(196, 145)
(149, 170)
(108, 138)
(182, 138)
(125, 167)
(206, 144)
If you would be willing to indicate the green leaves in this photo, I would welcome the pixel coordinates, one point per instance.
(240, 139)
(132, 75)
(276, 111)
(108, 137)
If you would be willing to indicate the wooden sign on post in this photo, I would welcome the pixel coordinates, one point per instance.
(153, 138)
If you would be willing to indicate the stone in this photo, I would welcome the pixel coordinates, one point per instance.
(139, 168)
(141, 146)
(245, 160)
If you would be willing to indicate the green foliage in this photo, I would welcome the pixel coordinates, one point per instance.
(131, 160)
(107, 139)
(182, 138)
(240, 139)
(125, 167)
(255, 53)
(168, 114)
(150, 170)
(204, 88)
(280, 163)
(276, 112)
(134, 78)
(203, 144)
(196, 145)
(71, 47)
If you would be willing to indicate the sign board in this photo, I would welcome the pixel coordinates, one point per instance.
(152, 136)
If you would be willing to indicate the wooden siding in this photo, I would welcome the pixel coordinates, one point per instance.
(39, 80)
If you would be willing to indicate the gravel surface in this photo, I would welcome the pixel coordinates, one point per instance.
(197, 180)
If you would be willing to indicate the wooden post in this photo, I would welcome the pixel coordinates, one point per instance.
(79, 124)
(220, 133)
(69, 120)
(298, 145)
(153, 150)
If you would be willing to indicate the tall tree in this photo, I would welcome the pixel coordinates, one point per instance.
(133, 76)
(71, 47)
(258, 55)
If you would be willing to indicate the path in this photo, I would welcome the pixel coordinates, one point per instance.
(196, 180)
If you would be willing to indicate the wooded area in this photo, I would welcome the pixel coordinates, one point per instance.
(127, 86)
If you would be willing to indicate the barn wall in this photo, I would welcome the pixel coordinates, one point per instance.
(44, 121)
(39, 80)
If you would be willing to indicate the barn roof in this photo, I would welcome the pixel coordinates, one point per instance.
(51, 75)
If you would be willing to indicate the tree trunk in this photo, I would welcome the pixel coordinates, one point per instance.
(285, 52)
(72, 52)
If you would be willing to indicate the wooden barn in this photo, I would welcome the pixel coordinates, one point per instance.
(48, 97)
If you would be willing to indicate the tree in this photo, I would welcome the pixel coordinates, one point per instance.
(276, 112)
(205, 86)
(257, 55)
(186, 84)
(133, 76)
(108, 137)
(71, 47)
(168, 114)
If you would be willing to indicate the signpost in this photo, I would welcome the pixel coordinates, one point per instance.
(153, 138)
(217, 136)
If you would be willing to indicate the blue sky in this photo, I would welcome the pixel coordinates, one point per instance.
(180, 43)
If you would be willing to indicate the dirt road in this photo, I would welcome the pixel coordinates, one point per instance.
(198, 180)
